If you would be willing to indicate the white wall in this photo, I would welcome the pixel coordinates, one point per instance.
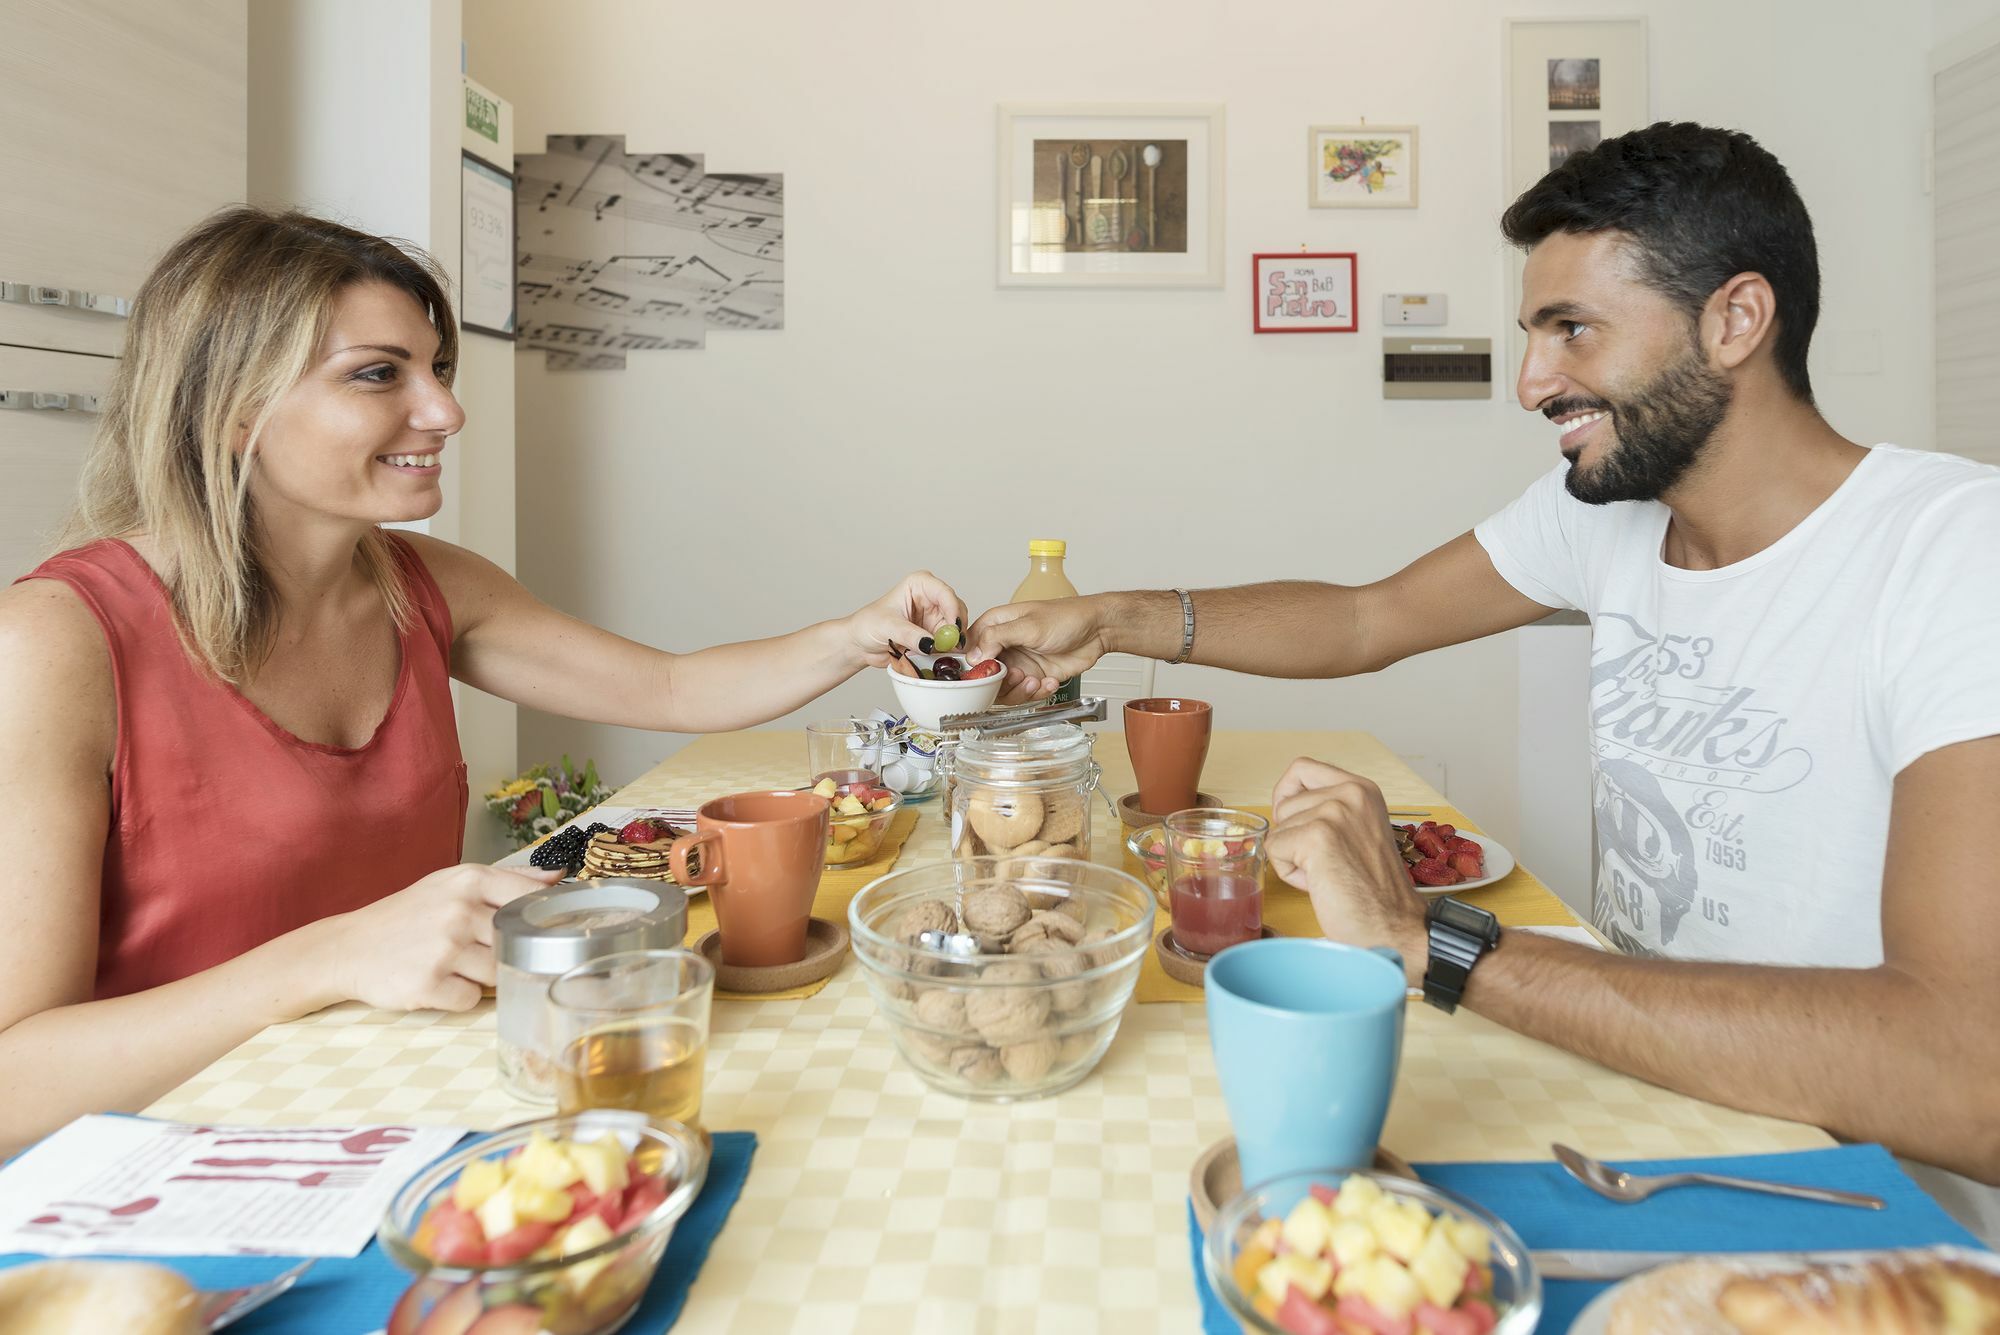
(356, 108)
(914, 414)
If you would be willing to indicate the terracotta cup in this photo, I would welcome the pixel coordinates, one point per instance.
(1168, 740)
(760, 855)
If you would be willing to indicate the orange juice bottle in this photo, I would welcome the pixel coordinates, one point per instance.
(1046, 580)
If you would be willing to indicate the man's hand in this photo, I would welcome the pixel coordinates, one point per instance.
(1042, 644)
(1330, 838)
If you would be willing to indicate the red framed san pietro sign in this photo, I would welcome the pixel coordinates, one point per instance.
(1303, 293)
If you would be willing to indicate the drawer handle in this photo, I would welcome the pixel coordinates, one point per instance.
(34, 294)
(47, 401)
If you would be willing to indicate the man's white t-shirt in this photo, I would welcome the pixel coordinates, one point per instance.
(1747, 723)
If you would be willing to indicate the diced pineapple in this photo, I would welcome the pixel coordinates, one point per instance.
(581, 1236)
(1351, 1278)
(850, 805)
(1399, 1231)
(481, 1178)
(1471, 1239)
(1352, 1241)
(602, 1163)
(1307, 1227)
(825, 788)
(543, 1163)
(496, 1212)
(1267, 1234)
(541, 1205)
(1358, 1198)
(1390, 1289)
(1310, 1274)
(1439, 1270)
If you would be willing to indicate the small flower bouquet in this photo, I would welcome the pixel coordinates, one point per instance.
(545, 797)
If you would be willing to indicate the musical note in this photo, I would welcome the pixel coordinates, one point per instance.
(642, 252)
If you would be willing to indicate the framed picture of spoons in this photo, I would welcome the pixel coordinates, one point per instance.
(1112, 196)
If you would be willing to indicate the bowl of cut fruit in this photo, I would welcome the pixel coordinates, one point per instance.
(551, 1226)
(1332, 1252)
(934, 679)
(863, 806)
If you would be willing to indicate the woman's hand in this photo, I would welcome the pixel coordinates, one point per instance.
(427, 947)
(888, 628)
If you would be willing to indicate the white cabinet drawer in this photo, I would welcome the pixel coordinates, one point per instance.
(41, 451)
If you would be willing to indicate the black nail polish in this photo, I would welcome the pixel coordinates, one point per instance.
(895, 650)
(960, 623)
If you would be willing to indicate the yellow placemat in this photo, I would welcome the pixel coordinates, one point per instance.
(1518, 900)
(837, 886)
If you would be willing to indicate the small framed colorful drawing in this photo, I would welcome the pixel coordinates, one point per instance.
(1361, 166)
(1303, 293)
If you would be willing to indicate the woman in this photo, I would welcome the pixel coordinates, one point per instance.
(226, 706)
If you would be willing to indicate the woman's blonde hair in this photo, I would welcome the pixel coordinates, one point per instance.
(229, 320)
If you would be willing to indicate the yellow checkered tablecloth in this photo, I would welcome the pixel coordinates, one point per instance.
(877, 1205)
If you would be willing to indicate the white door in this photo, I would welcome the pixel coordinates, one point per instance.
(125, 125)
(1965, 120)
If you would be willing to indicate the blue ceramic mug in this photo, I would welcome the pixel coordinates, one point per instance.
(1306, 1036)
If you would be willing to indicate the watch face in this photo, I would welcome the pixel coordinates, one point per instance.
(1464, 918)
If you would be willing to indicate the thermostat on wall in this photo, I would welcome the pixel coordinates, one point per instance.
(1413, 308)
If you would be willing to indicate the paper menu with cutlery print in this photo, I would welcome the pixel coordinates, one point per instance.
(124, 1186)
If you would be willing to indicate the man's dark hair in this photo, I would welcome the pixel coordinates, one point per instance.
(1700, 205)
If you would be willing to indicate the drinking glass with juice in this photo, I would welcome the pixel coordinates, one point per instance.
(1215, 878)
(631, 1032)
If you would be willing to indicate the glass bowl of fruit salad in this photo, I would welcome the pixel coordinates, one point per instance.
(1331, 1251)
(863, 806)
(553, 1226)
(1002, 978)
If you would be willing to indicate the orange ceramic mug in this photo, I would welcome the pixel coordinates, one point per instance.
(1167, 737)
(760, 855)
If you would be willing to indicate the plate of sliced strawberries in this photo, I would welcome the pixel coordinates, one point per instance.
(1443, 859)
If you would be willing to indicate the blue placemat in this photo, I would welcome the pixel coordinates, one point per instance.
(1550, 1210)
(353, 1295)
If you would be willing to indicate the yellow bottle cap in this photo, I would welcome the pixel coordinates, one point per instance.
(1047, 547)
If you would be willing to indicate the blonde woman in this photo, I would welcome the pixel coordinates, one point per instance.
(226, 706)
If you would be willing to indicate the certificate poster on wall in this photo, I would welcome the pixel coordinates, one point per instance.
(1570, 84)
(1303, 293)
(486, 243)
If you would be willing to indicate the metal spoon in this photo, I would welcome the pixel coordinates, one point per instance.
(222, 1307)
(1619, 1185)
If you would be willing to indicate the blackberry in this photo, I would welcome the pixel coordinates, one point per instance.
(563, 849)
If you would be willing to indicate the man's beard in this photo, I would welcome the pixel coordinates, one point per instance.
(1660, 433)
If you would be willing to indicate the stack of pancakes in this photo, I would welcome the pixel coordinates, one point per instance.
(606, 855)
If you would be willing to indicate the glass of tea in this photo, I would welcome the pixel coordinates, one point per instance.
(630, 1030)
(1215, 877)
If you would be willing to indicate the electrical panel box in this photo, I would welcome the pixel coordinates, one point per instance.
(1437, 368)
(1414, 308)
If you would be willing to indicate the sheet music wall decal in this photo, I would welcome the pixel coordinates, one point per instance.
(619, 251)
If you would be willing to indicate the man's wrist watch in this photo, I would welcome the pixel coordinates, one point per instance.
(1459, 935)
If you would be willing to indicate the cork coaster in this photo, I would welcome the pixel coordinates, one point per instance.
(826, 947)
(1129, 812)
(1217, 1177)
(1181, 966)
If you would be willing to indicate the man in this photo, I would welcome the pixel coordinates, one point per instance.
(1794, 700)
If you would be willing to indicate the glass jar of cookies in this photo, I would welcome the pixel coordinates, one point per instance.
(1024, 794)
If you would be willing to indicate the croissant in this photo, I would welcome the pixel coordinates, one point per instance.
(1893, 1296)
(1908, 1294)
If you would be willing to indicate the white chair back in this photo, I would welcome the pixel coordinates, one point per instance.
(1118, 678)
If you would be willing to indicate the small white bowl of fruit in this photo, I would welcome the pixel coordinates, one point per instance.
(1333, 1252)
(863, 806)
(935, 680)
(552, 1226)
